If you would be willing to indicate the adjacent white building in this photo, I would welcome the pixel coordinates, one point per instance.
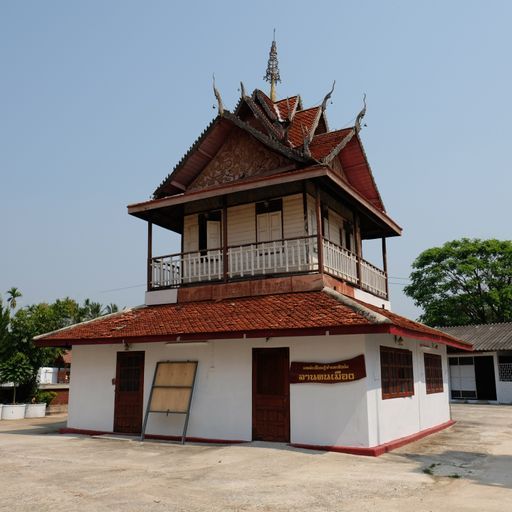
(486, 373)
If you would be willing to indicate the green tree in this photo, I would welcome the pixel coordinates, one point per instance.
(466, 281)
(90, 310)
(12, 295)
(18, 331)
(18, 370)
(110, 308)
(4, 323)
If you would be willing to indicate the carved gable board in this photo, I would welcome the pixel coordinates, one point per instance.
(241, 156)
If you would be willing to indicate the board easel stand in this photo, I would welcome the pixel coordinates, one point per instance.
(172, 389)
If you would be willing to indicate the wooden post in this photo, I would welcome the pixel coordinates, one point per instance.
(150, 255)
(358, 248)
(225, 262)
(385, 264)
(319, 231)
(305, 208)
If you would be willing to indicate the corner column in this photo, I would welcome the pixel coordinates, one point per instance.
(385, 265)
(359, 248)
(225, 263)
(319, 231)
(150, 255)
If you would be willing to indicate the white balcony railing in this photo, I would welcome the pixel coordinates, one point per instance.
(185, 268)
(373, 279)
(265, 258)
(340, 262)
(277, 257)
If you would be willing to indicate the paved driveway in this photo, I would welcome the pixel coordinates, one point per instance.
(465, 468)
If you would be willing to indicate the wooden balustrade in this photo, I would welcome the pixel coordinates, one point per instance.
(293, 255)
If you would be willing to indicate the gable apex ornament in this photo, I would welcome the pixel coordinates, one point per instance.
(220, 106)
(360, 116)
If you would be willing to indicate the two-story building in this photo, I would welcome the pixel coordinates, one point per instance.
(271, 294)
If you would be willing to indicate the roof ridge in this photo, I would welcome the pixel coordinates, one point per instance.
(333, 131)
(306, 109)
(287, 98)
(357, 307)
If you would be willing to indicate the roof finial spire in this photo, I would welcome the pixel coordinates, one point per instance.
(272, 74)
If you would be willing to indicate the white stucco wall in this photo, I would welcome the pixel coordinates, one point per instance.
(394, 418)
(345, 414)
(221, 404)
(326, 414)
(91, 393)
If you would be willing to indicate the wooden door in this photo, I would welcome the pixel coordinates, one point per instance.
(129, 392)
(270, 394)
(269, 226)
(213, 234)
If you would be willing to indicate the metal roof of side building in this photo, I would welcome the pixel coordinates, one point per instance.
(483, 337)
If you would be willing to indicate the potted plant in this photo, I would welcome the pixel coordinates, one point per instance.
(16, 369)
(37, 409)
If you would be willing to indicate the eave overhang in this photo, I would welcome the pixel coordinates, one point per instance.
(183, 339)
(146, 210)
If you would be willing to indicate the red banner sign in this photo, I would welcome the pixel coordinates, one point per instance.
(328, 373)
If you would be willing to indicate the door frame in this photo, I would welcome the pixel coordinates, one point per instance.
(120, 355)
(286, 375)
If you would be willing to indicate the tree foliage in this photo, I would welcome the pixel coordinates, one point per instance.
(466, 281)
(12, 295)
(18, 370)
(18, 331)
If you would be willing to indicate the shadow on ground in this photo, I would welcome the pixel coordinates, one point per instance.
(32, 428)
(481, 468)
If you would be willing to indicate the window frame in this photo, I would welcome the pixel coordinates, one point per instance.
(434, 382)
(393, 362)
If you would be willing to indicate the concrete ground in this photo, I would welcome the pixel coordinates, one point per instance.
(465, 468)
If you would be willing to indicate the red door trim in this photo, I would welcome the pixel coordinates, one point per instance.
(132, 401)
(284, 354)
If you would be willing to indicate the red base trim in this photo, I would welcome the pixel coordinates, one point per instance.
(86, 432)
(375, 451)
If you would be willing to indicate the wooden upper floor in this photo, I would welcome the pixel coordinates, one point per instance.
(269, 191)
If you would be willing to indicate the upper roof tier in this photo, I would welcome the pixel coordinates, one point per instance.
(264, 142)
(299, 135)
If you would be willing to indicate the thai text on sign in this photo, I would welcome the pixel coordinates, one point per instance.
(328, 373)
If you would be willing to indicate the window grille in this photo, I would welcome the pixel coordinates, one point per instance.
(433, 373)
(396, 372)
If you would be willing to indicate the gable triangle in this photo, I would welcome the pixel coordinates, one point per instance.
(240, 157)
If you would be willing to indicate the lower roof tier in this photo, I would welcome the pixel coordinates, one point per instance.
(287, 314)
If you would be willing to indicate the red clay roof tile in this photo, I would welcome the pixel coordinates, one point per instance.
(322, 145)
(289, 313)
(301, 124)
(282, 106)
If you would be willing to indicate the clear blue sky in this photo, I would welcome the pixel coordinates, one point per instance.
(99, 100)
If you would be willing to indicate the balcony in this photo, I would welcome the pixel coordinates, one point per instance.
(291, 256)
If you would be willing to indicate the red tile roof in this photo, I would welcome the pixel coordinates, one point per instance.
(322, 145)
(298, 314)
(268, 102)
(282, 106)
(301, 124)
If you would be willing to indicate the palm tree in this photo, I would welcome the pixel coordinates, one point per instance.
(13, 294)
(111, 308)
